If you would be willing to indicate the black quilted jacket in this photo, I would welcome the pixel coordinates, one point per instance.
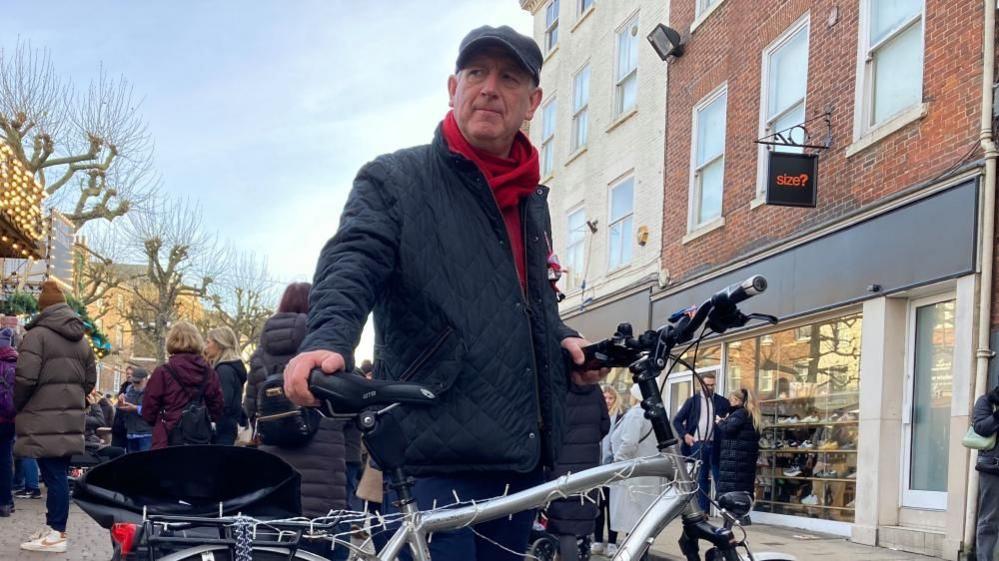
(587, 424)
(422, 243)
(740, 448)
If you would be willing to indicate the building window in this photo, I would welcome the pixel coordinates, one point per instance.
(622, 208)
(575, 258)
(703, 5)
(785, 75)
(580, 105)
(626, 75)
(585, 5)
(551, 26)
(547, 138)
(708, 159)
(892, 73)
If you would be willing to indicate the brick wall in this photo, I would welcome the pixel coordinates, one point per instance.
(728, 46)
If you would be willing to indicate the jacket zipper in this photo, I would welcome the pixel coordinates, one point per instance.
(425, 355)
(529, 313)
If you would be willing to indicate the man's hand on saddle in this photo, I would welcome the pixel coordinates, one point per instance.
(574, 345)
(296, 374)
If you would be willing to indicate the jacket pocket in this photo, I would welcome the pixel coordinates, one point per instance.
(438, 364)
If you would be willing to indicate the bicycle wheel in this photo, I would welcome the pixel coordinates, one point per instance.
(223, 553)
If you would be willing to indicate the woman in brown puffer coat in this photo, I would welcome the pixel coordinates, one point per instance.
(55, 372)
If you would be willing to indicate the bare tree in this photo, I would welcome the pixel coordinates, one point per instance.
(96, 269)
(241, 298)
(91, 152)
(181, 262)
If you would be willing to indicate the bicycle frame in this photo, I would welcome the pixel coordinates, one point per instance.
(672, 502)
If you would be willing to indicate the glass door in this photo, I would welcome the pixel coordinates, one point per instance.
(926, 412)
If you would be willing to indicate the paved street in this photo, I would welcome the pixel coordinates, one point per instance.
(87, 540)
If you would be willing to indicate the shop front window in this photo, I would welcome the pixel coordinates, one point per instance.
(807, 381)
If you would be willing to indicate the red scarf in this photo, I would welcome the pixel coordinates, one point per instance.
(511, 180)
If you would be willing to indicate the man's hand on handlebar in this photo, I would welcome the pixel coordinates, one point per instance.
(296, 374)
(574, 345)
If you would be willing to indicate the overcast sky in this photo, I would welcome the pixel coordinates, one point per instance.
(264, 110)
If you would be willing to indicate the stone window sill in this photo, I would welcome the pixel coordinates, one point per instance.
(705, 15)
(620, 120)
(886, 129)
(582, 17)
(579, 152)
(703, 229)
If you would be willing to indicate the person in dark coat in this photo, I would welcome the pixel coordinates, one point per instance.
(587, 422)
(165, 399)
(56, 370)
(138, 433)
(694, 423)
(739, 436)
(320, 462)
(8, 363)
(119, 434)
(447, 245)
(986, 422)
(222, 350)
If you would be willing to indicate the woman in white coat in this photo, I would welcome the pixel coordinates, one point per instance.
(631, 498)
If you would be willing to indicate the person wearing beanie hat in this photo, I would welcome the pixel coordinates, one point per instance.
(8, 365)
(51, 295)
(56, 370)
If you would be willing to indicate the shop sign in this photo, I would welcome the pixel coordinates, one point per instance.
(792, 179)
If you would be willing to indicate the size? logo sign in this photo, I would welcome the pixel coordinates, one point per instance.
(792, 179)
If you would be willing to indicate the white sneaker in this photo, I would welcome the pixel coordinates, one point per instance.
(810, 500)
(47, 540)
(598, 548)
(611, 550)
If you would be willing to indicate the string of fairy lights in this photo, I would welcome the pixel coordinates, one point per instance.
(20, 203)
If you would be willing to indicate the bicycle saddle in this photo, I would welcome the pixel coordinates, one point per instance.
(348, 394)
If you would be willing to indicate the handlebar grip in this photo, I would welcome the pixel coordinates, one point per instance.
(738, 292)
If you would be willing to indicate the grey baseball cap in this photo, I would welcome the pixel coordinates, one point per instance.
(522, 47)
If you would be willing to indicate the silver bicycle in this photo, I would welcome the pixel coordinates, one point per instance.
(646, 356)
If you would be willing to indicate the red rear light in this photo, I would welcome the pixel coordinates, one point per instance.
(124, 535)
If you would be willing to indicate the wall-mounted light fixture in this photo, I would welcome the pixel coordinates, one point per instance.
(666, 41)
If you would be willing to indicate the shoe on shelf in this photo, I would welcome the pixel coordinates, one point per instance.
(765, 443)
(29, 494)
(830, 445)
(810, 419)
(810, 500)
(46, 540)
(792, 472)
(851, 475)
(792, 420)
(807, 445)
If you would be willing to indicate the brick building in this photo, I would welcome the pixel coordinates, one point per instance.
(886, 267)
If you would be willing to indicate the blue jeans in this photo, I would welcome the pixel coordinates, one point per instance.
(464, 544)
(26, 474)
(55, 474)
(6, 463)
(354, 471)
(705, 451)
(139, 443)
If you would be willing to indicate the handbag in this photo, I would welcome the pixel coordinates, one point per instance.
(976, 441)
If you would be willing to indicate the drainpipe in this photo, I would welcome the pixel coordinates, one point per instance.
(984, 353)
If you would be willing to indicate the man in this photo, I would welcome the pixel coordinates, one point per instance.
(55, 372)
(695, 422)
(138, 433)
(448, 244)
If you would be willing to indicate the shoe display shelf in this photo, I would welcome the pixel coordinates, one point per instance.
(808, 456)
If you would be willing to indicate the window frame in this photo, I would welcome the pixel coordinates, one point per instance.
(618, 109)
(548, 142)
(911, 498)
(612, 222)
(574, 144)
(551, 27)
(864, 96)
(704, 6)
(570, 245)
(694, 189)
(802, 25)
(581, 8)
